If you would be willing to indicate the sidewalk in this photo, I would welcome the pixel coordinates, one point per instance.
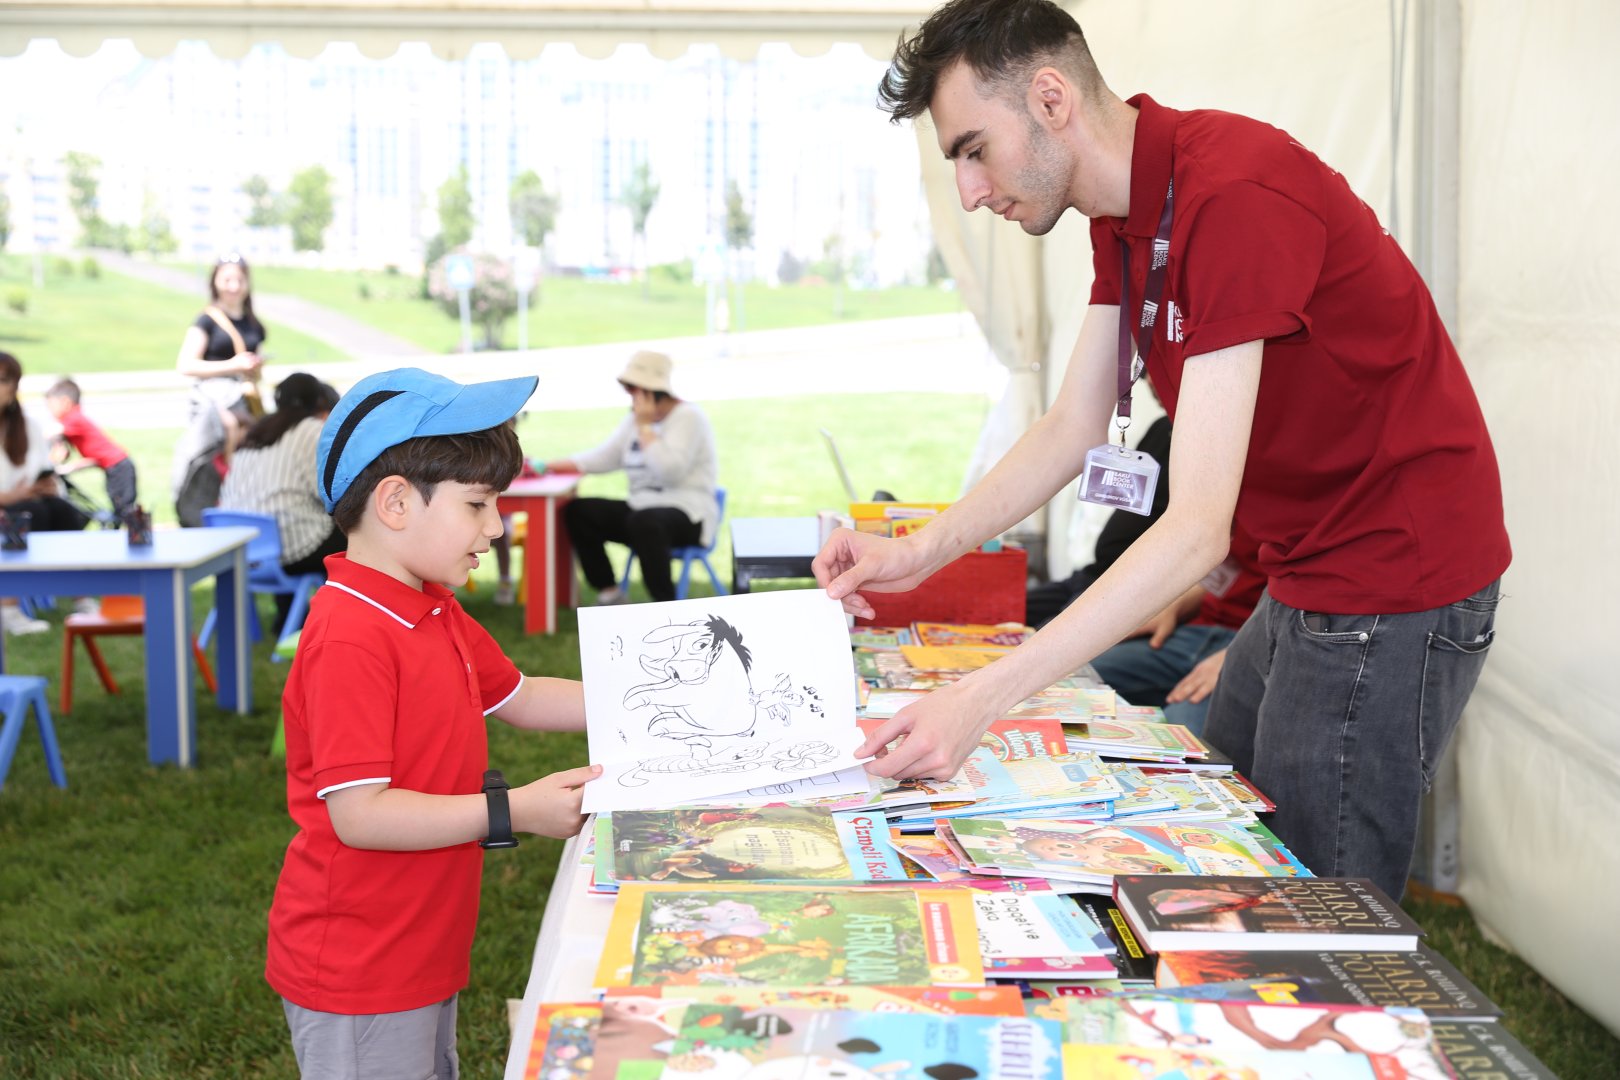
(921, 354)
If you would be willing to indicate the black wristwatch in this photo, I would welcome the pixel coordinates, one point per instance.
(500, 812)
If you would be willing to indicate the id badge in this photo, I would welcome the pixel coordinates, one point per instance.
(1218, 580)
(1121, 478)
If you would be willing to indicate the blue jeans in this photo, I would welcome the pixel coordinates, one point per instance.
(1143, 675)
(1342, 720)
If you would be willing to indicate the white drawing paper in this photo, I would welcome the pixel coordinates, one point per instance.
(692, 699)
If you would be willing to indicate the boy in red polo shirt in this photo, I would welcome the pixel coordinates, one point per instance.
(1318, 403)
(93, 445)
(372, 924)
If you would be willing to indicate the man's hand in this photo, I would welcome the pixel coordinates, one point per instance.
(550, 805)
(1200, 681)
(940, 732)
(1159, 628)
(852, 559)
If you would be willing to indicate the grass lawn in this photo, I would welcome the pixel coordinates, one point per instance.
(572, 311)
(76, 324)
(133, 903)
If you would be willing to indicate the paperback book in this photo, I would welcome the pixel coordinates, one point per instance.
(967, 1001)
(789, 935)
(1418, 980)
(763, 843)
(1096, 853)
(1185, 913)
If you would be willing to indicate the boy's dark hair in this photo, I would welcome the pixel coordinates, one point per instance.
(64, 387)
(1003, 42)
(492, 456)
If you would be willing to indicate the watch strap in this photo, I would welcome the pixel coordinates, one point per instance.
(500, 812)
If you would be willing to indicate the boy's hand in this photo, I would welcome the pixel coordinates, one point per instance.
(550, 805)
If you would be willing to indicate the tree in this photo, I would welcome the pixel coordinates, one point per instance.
(492, 300)
(739, 222)
(309, 208)
(640, 194)
(156, 236)
(5, 219)
(534, 209)
(456, 221)
(84, 187)
(265, 207)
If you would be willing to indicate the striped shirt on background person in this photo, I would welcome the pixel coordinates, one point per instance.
(279, 480)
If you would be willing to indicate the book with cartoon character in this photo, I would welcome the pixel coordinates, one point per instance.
(762, 843)
(718, 1041)
(693, 699)
(1094, 853)
(790, 935)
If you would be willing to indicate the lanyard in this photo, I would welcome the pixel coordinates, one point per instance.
(1152, 294)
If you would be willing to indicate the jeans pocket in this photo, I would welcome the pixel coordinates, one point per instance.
(1457, 647)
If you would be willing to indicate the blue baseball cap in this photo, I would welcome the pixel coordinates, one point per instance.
(392, 407)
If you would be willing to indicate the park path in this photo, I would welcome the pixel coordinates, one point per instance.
(346, 335)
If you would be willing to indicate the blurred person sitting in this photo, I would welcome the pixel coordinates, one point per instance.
(666, 448)
(273, 473)
(29, 489)
(95, 448)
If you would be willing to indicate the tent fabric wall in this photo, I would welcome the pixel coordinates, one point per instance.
(1539, 305)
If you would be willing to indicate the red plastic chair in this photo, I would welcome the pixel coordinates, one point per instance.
(120, 616)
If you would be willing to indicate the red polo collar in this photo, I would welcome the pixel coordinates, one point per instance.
(1150, 164)
(409, 606)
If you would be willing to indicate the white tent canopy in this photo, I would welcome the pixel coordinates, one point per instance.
(1482, 134)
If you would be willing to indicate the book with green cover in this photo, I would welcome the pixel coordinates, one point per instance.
(790, 935)
(757, 843)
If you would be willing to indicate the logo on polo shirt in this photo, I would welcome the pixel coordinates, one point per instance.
(1172, 323)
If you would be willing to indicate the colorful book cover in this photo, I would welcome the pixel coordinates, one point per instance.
(1417, 980)
(1171, 1063)
(966, 1001)
(951, 657)
(1120, 738)
(880, 637)
(971, 635)
(787, 935)
(1032, 925)
(1053, 967)
(1402, 1038)
(1033, 782)
(934, 858)
(726, 1043)
(1012, 740)
(1096, 852)
(763, 843)
(1486, 1051)
(563, 1045)
(1181, 914)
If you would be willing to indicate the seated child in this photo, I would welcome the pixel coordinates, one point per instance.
(372, 924)
(93, 445)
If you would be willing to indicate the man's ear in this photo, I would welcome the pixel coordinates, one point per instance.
(1052, 98)
(392, 500)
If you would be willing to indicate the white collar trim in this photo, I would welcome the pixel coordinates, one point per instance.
(362, 596)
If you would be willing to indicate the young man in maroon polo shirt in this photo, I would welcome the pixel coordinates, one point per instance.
(372, 924)
(1317, 399)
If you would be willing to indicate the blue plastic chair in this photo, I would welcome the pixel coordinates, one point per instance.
(265, 574)
(17, 693)
(689, 555)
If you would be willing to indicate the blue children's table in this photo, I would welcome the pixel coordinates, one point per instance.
(101, 563)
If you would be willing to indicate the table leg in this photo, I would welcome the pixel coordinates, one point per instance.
(171, 707)
(233, 656)
(562, 558)
(538, 613)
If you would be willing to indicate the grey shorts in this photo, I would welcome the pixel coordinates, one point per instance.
(419, 1044)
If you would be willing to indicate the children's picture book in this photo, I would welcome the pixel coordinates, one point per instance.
(1015, 739)
(1140, 1062)
(951, 657)
(966, 1001)
(1136, 739)
(1097, 852)
(1399, 1042)
(726, 1042)
(934, 858)
(971, 635)
(880, 637)
(696, 698)
(1486, 1051)
(1184, 914)
(1033, 925)
(788, 935)
(761, 843)
(563, 1044)
(827, 787)
(1418, 980)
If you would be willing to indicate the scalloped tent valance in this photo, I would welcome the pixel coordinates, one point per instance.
(522, 27)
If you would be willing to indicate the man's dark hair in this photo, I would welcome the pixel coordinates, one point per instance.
(1003, 42)
(492, 456)
(64, 387)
